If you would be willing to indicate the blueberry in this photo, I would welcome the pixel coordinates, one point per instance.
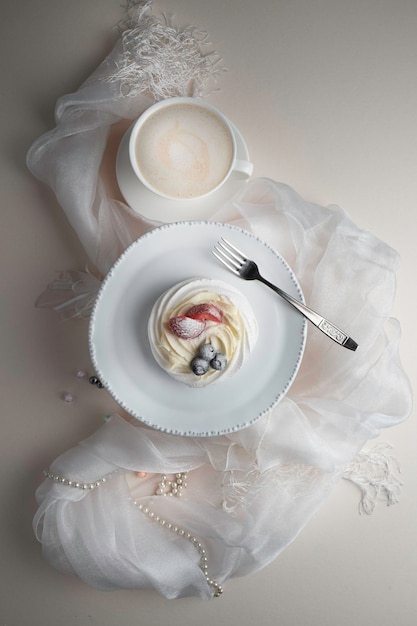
(219, 362)
(207, 351)
(199, 366)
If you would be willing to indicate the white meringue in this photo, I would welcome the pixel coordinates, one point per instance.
(235, 336)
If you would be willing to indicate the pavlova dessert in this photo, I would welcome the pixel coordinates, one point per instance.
(201, 331)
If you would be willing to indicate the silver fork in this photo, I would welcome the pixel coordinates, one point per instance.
(239, 264)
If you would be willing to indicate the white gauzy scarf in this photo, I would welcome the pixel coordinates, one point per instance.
(251, 492)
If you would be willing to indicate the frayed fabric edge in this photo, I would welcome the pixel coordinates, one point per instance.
(160, 58)
(376, 473)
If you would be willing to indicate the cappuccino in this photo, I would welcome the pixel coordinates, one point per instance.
(184, 150)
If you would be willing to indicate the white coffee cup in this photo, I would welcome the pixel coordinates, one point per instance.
(184, 149)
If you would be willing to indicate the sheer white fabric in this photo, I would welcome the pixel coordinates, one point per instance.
(152, 60)
(250, 493)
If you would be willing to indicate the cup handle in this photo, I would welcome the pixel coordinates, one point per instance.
(245, 168)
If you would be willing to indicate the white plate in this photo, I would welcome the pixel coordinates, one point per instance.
(147, 204)
(119, 344)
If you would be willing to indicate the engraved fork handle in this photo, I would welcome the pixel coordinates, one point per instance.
(320, 322)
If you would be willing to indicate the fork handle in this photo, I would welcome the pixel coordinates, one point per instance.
(326, 327)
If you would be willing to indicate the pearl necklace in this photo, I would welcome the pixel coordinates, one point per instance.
(203, 564)
(73, 483)
(165, 488)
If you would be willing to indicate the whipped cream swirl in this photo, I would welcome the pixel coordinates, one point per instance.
(235, 337)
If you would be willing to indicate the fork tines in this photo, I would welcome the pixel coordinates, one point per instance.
(229, 255)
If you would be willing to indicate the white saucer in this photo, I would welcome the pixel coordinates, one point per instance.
(146, 204)
(120, 349)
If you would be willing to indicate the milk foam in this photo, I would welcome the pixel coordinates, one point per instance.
(235, 337)
(184, 150)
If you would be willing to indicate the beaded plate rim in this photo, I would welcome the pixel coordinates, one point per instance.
(241, 424)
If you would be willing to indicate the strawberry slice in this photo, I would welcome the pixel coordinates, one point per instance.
(205, 311)
(186, 327)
